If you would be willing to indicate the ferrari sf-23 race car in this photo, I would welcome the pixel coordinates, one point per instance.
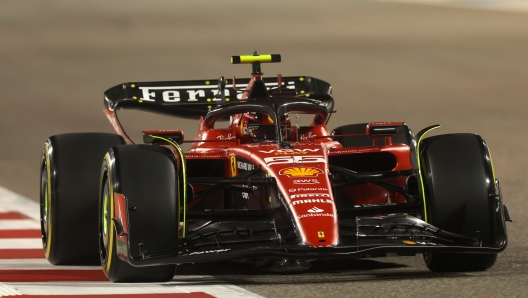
(270, 186)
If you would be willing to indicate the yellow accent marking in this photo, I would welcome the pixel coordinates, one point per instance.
(270, 119)
(233, 164)
(140, 101)
(209, 107)
(302, 91)
(301, 172)
(420, 170)
(321, 234)
(134, 97)
(207, 82)
(48, 170)
(492, 169)
(250, 58)
(184, 181)
(111, 229)
(227, 99)
(133, 85)
(307, 95)
(410, 242)
(208, 100)
(301, 79)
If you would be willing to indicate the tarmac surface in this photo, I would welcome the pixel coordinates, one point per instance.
(464, 68)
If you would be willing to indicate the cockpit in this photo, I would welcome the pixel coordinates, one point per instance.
(271, 119)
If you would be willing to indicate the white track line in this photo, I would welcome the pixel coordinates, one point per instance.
(101, 288)
(14, 202)
(7, 290)
(38, 264)
(19, 224)
(20, 243)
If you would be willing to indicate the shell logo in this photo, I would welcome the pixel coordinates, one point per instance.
(301, 172)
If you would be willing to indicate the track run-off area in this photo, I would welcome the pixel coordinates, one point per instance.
(24, 271)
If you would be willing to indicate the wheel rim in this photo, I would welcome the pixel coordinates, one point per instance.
(45, 200)
(44, 204)
(104, 224)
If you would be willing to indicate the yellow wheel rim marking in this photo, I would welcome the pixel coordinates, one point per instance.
(47, 198)
(110, 230)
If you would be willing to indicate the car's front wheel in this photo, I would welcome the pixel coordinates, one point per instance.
(458, 184)
(147, 176)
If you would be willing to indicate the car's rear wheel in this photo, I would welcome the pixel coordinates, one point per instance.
(147, 176)
(69, 193)
(458, 182)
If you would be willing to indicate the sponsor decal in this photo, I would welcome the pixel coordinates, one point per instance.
(233, 165)
(306, 181)
(374, 205)
(307, 189)
(310, 195)
(209, 251)
(426, 243)
(196, 93)
(320, 234)
(245, 166)
(203, 156)
(228, 137)
(354, 151)
(315, 210)
(311, 201)
(315, 215)
(306, 137)
(289, 151)
(300, 172)
(409, 242)
(294, 159)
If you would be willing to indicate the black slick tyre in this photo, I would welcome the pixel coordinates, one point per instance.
(69, 196)
(458, 181)
(147, 176)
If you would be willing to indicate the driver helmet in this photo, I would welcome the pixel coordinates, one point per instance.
(261, 127)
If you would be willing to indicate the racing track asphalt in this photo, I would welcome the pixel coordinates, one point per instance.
(465, 69)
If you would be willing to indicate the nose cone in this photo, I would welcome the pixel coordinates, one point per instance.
(302, 178)
(316, 218)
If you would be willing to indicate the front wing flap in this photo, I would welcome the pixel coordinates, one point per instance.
(226, 240)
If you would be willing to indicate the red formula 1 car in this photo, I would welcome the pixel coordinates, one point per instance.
(272, 184)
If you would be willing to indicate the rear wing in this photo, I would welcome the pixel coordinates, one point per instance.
(196, 98)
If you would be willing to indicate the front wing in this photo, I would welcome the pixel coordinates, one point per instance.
(363, 236)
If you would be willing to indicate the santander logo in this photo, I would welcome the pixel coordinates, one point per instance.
(315, 210)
